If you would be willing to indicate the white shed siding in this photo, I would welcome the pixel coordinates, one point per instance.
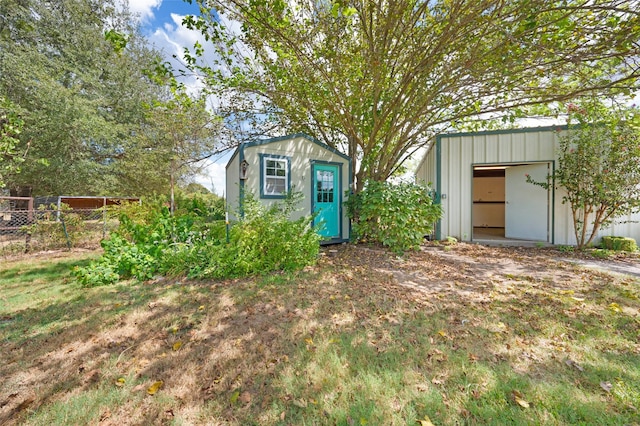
(301, 151)
(426, 171)
(459, 153)
(627, 226)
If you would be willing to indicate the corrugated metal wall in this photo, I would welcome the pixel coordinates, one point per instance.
(459, 153)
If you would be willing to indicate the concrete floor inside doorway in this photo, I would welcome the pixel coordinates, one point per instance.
(496, 237)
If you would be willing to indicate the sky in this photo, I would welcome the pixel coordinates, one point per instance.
(161, 24)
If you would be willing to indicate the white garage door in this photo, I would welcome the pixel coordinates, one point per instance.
(527, 205)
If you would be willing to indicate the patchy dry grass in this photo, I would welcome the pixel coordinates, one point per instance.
(472, 335)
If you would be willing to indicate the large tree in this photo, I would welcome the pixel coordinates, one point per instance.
(377, 78)
(12, 151)
(75, 69)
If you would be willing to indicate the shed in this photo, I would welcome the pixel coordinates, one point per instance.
(270, 168)
(480, 181)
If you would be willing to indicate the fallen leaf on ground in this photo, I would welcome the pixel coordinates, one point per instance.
(245, 397)
(177, 345)
(614, 307)
(425, 422)
(300, 403)
(607, 386)
(498, 328)
(155, 387)
(572, 363)
(519, 399)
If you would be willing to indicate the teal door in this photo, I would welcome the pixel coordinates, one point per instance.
(326, 199)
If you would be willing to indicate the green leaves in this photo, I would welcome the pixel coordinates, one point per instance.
(11, 150)
(117, 39)
(158, 243)
(376, 79)
(74, 72)
(598, 166)
(395, 215)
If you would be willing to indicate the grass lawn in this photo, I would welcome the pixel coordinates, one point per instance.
(470, 335)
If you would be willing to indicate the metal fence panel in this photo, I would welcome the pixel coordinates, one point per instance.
(32, 230)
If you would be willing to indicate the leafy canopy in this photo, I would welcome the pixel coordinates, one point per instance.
(377, 79)
(96, 106)
(11, 151)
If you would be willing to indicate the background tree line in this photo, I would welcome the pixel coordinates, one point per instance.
(84, 108)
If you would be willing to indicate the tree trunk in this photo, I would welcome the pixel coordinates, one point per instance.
(353, 154)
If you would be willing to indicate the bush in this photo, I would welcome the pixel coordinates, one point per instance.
(264, 240)
(395, 215)
(207, 206)
(619, 243)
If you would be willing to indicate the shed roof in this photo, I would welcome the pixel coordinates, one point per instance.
(284, 138)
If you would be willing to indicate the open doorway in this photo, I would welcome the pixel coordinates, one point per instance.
(507, 207)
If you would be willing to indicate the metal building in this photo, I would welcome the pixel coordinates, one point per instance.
(480, 180)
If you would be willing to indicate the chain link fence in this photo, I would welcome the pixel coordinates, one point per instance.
(25, 229)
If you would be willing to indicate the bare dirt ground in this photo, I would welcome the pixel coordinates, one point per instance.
(468, 269)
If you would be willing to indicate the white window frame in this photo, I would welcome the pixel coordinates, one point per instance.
(265, 178)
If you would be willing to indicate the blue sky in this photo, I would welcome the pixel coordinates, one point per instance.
(167, 7)
(161, 24)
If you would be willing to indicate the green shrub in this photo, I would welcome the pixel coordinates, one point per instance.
(96, 275)
(395, 215)
(265, 240)
(210, 207)
(140, 246)
(619, 243)
(156, 243)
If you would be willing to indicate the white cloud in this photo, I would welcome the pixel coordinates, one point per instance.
(143, 8)
(213, 174)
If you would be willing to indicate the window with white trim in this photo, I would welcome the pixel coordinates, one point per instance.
(275, 178)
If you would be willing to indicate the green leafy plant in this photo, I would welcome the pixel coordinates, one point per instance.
(565, 249)
(395, 215)
(265, 240)
(55, 227)
(11, 151)
(598, 167)
(619, 243)
(96, 275)
(155, 242)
